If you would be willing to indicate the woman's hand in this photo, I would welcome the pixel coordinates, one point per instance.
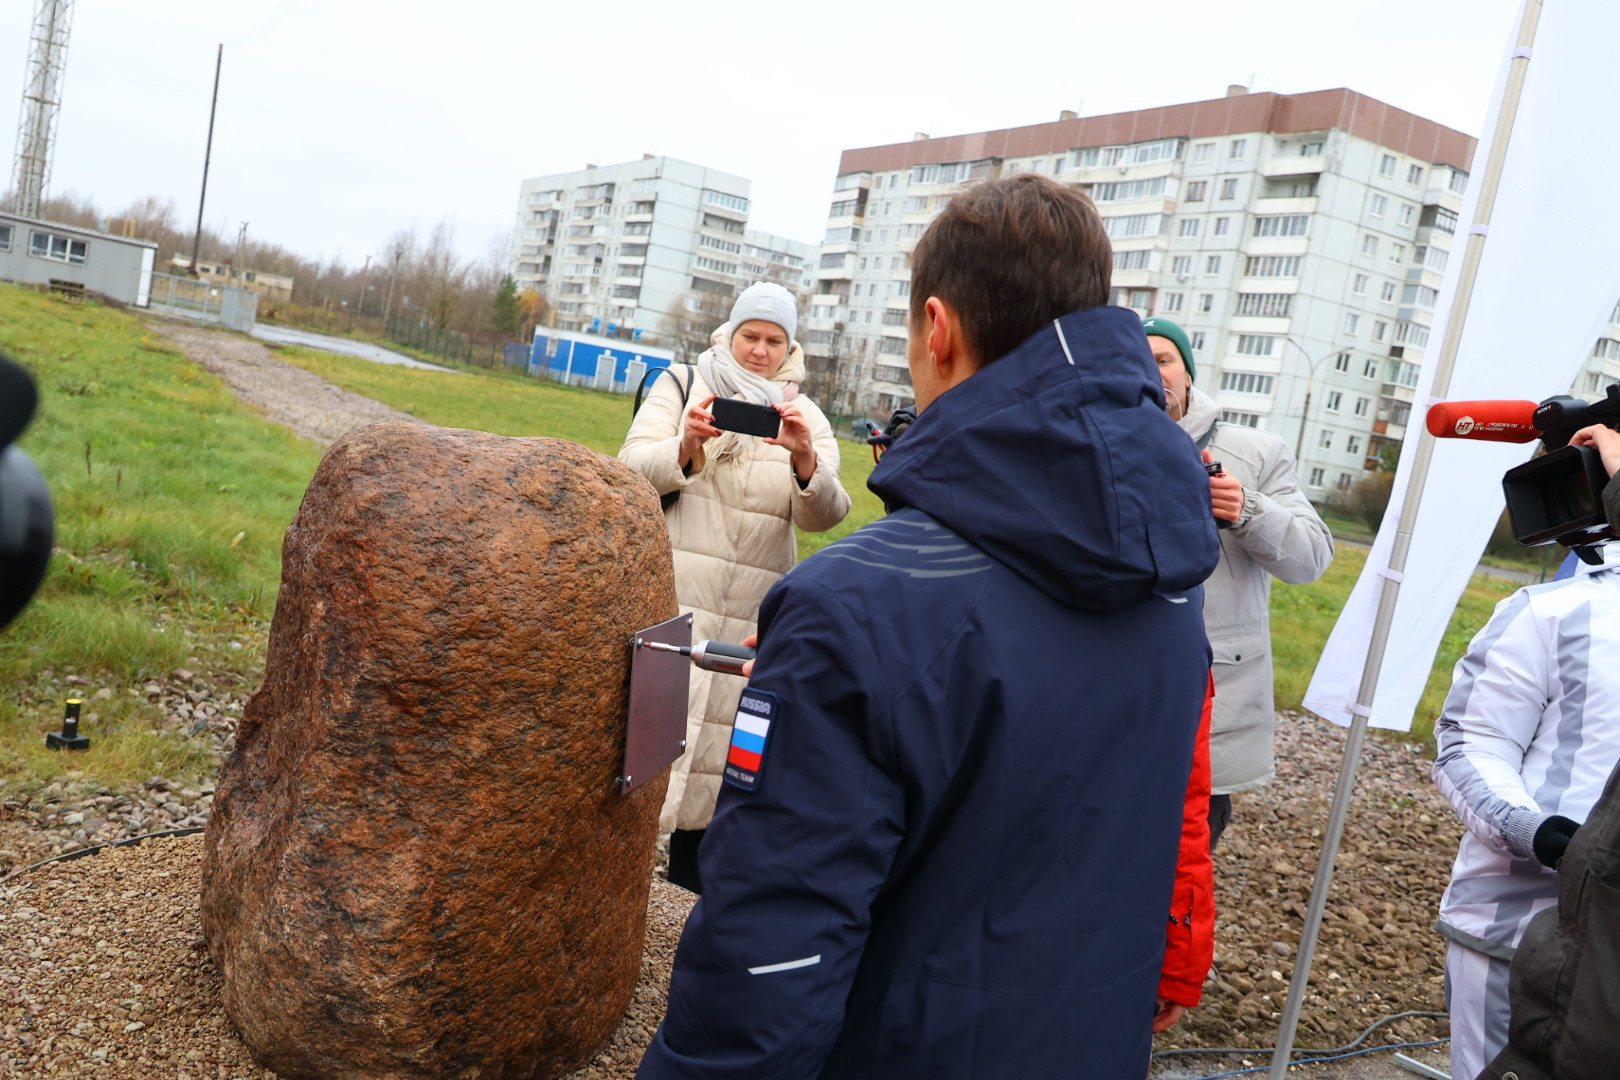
(795, 439)
(1607, 441)
(697, 428)
(749, 642)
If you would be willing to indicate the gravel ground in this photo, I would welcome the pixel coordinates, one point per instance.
(135, 935)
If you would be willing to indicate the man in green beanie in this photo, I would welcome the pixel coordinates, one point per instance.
(1268, 529)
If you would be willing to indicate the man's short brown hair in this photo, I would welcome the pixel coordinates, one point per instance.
(1011, 255)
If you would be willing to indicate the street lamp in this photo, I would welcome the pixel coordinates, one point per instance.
(1310, 383)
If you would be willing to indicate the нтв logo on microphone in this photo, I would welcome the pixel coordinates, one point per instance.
(1465, 424)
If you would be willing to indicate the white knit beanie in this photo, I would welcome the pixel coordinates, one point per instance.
(769, 302)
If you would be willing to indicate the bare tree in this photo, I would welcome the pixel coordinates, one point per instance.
(687, 329)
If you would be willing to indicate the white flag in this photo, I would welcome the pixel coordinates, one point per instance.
(1546, 288)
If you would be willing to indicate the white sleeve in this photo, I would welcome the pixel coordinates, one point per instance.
(1499, 694)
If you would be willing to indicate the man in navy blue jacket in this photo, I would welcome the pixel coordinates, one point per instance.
(947, 837)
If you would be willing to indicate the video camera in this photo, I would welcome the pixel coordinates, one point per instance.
(1556, 498)
(25, 503)
(899, 421)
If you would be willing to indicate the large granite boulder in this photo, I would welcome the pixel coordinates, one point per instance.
(418, 863)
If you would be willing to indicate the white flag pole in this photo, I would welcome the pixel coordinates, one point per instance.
(1361, 711)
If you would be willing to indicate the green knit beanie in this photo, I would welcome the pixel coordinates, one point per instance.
(1159, 327)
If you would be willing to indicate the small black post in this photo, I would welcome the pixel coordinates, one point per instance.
(69, 737)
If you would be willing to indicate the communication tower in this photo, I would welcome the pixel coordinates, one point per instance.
(42, 100)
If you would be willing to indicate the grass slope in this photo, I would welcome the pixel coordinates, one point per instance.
(172, 497)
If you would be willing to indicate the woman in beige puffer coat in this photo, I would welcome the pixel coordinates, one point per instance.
(732, 527)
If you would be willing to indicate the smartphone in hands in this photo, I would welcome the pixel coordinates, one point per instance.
(746, 417)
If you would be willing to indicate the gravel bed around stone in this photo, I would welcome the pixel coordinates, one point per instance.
(103, 972)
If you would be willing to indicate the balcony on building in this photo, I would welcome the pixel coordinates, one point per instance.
(1275, 166)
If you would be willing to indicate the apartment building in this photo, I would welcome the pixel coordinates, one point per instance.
(1300, 239)
(646, 246)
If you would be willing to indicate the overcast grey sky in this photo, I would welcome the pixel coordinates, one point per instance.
(342, 120)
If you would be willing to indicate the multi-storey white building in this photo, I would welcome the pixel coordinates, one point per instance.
(640, 246)
(1300, 239)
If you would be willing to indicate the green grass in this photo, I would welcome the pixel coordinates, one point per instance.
(171, 499)
(1303, 615)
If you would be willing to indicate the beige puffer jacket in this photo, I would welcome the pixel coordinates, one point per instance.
(732, 530)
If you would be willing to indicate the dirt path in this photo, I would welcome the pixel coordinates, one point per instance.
(285, 393)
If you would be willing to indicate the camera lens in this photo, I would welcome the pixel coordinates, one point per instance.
(1570, 498)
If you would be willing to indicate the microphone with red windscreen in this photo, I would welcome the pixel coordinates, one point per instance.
(1490, 421)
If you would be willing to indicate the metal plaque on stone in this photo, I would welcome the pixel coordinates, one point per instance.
(659, 681)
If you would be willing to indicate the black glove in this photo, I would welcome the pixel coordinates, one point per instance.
(1552, 840)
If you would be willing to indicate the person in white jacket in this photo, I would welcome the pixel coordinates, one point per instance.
(1527, 738)
(732, 526)
(1268, 529)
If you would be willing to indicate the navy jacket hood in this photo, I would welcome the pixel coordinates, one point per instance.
(1059, 461)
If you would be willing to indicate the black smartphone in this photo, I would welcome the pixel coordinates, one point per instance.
(746, 417)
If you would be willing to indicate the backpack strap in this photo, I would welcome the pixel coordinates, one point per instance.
(652, 373)
(1202, 442)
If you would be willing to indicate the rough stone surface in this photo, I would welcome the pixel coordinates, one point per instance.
(417, 863)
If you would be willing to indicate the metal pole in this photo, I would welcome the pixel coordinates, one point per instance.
(1362, 710)
(208, 154)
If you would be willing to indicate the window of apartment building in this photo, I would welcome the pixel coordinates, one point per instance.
(1131, 260)
(1376, 205)
(841, 208)
(1204, 151)
(1310, 149)
(1434, 258)
(894, 317)
(1181, 265)
(1246, 382)
(1421, 295)
(1197, 190)
(892, 346)
(718, 266)
(858, 288)
(1282, 225)
(1408, 212)
(862, 264)
(914, 204)
(730, 247)
(730, 202)
(1351, 322)
(1324, 441)
(1386, 165)
(1380, 330)
(724, 224)
(627, 292)
(1269, 305)
(901, 288)
(1369, 368)
(1369, 244)
(1222, 225)
(1256, 344)
(883, 236)
(55, 246)
(1173, 301)
(1242, 419)
(1344, 481)
(1212, 264)
(1606, 349)
(1352, 444)
(1414, 174)
(1341, 362)
(1206, 302)
(840, 235)
(868, 319)
(1142, 298)
(1359, 285)
(1189, 227)
(1386, 292)
(832, 261)
(1229, 188)
(1441, 218)
(1334, 400)
(1316, 478)
(633, 251)
(1272, 266)
(1197, 337)
(1119, 190)
(1458, 182)
(1362, 405)
(1397, 253)
(572, 288)
(1404, 373)
(1238, 148)
(635, 228)
(1411, 333)
(1133, 225)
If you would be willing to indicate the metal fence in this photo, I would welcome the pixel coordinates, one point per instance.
(451, 346)
(204, 301)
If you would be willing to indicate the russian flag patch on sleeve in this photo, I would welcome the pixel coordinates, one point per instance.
(755, 713)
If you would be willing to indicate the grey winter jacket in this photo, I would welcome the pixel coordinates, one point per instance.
(1278, 534)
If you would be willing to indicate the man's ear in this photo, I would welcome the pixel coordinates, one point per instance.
(947, 347)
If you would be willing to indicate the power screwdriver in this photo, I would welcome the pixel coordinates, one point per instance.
(708, 655)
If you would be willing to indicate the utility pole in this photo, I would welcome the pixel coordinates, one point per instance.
(388, 308)
(359, 301)
(241, 238)
(208, 153)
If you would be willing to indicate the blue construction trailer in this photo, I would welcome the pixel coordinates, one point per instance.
(593, 360)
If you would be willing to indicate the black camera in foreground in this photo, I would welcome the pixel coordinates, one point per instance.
(25, 503)
(1556, 498)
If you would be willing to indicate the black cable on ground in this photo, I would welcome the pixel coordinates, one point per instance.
(82, 852)
(1311, 1054)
